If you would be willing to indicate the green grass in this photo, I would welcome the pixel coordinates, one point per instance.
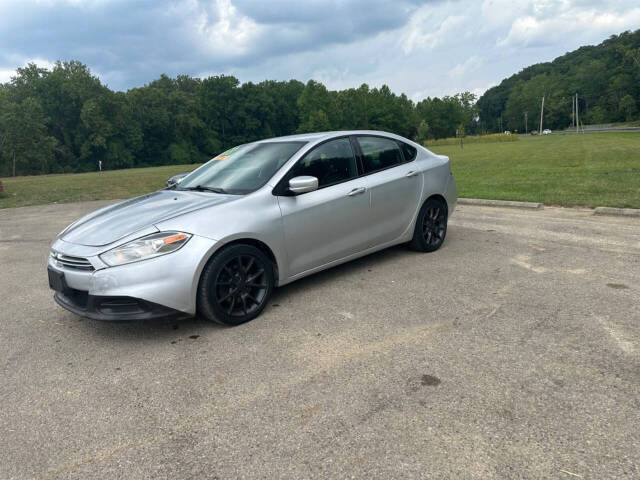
(587, 170)
(596, 169)
(77, 187)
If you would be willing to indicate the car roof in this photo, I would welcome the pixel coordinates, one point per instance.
(309, 137)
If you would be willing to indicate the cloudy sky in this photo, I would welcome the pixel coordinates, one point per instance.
(419, 47)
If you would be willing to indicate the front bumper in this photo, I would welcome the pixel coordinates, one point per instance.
(164, 286)
(113, 308)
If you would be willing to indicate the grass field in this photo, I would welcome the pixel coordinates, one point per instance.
(77, 187)
(588, 170)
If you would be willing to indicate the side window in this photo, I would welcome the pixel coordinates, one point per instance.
(379, 153)
(409, 151)
(332, 162)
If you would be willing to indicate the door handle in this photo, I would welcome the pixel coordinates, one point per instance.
(357, 191)
(411, 173)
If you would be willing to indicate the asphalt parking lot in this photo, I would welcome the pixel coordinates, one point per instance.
(512, 352)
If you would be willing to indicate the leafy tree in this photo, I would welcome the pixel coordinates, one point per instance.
(111, 134)
(444, 115)
(316, 104)
(627, 107)
(423, 132)
(219, 99)
(23, 138)
(318, 121)
(355, 105)
(527, 97)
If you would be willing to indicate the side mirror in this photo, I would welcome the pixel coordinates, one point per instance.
(176, 179)
(303, 184)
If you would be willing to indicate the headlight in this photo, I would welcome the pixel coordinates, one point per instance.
(144, 248)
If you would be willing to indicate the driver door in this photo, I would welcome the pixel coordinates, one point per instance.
(329, 223)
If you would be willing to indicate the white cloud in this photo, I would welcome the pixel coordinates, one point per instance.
(419, 47)
(231, 34)
(470, 65)
(478, 91)
(423, 34)
(7, 73)
(498, 13)
(567, 22)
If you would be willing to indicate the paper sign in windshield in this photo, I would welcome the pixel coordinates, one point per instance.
(226, 154)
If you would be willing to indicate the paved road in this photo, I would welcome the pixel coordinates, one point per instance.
(513, 352)
(604, 129)
(600, 130)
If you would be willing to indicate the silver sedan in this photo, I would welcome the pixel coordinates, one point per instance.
(217, 242)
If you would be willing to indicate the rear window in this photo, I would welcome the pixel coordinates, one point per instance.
(409, 151)
(379, 153)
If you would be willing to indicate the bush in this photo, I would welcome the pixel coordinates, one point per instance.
(492, 138)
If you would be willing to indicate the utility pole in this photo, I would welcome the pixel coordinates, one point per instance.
(526, 128)
(541, 116)
(577, 115)
(573, 111)
(366, 117)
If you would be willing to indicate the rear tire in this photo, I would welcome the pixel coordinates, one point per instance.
(235, 285)
(431, 226)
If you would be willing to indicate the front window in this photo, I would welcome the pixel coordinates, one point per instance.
(332, 162)
(241, 169)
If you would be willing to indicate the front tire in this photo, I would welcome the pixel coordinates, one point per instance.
(431, 226)
(235, 285)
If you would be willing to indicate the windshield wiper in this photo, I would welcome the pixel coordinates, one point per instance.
(203, 188)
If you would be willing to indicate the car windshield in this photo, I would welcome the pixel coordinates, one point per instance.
(241, 169)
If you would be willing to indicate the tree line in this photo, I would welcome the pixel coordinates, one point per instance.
(65, 120)
(606, 78)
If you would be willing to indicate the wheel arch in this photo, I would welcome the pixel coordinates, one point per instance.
(254, 242)
(417, 241)
(437, 196)
(260, 245)
(203, 305)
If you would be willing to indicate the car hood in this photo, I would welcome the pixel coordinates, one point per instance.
(114, 222)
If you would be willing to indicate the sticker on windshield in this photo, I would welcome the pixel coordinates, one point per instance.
(226, 154)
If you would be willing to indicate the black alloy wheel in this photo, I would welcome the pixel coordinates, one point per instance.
(236, 285)
(431, 226)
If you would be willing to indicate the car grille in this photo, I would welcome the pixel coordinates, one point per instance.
(67, 261)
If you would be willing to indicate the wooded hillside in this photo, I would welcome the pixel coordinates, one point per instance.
(606, 78)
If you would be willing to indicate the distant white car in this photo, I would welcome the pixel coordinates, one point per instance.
(546, 131)
(507, 132)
